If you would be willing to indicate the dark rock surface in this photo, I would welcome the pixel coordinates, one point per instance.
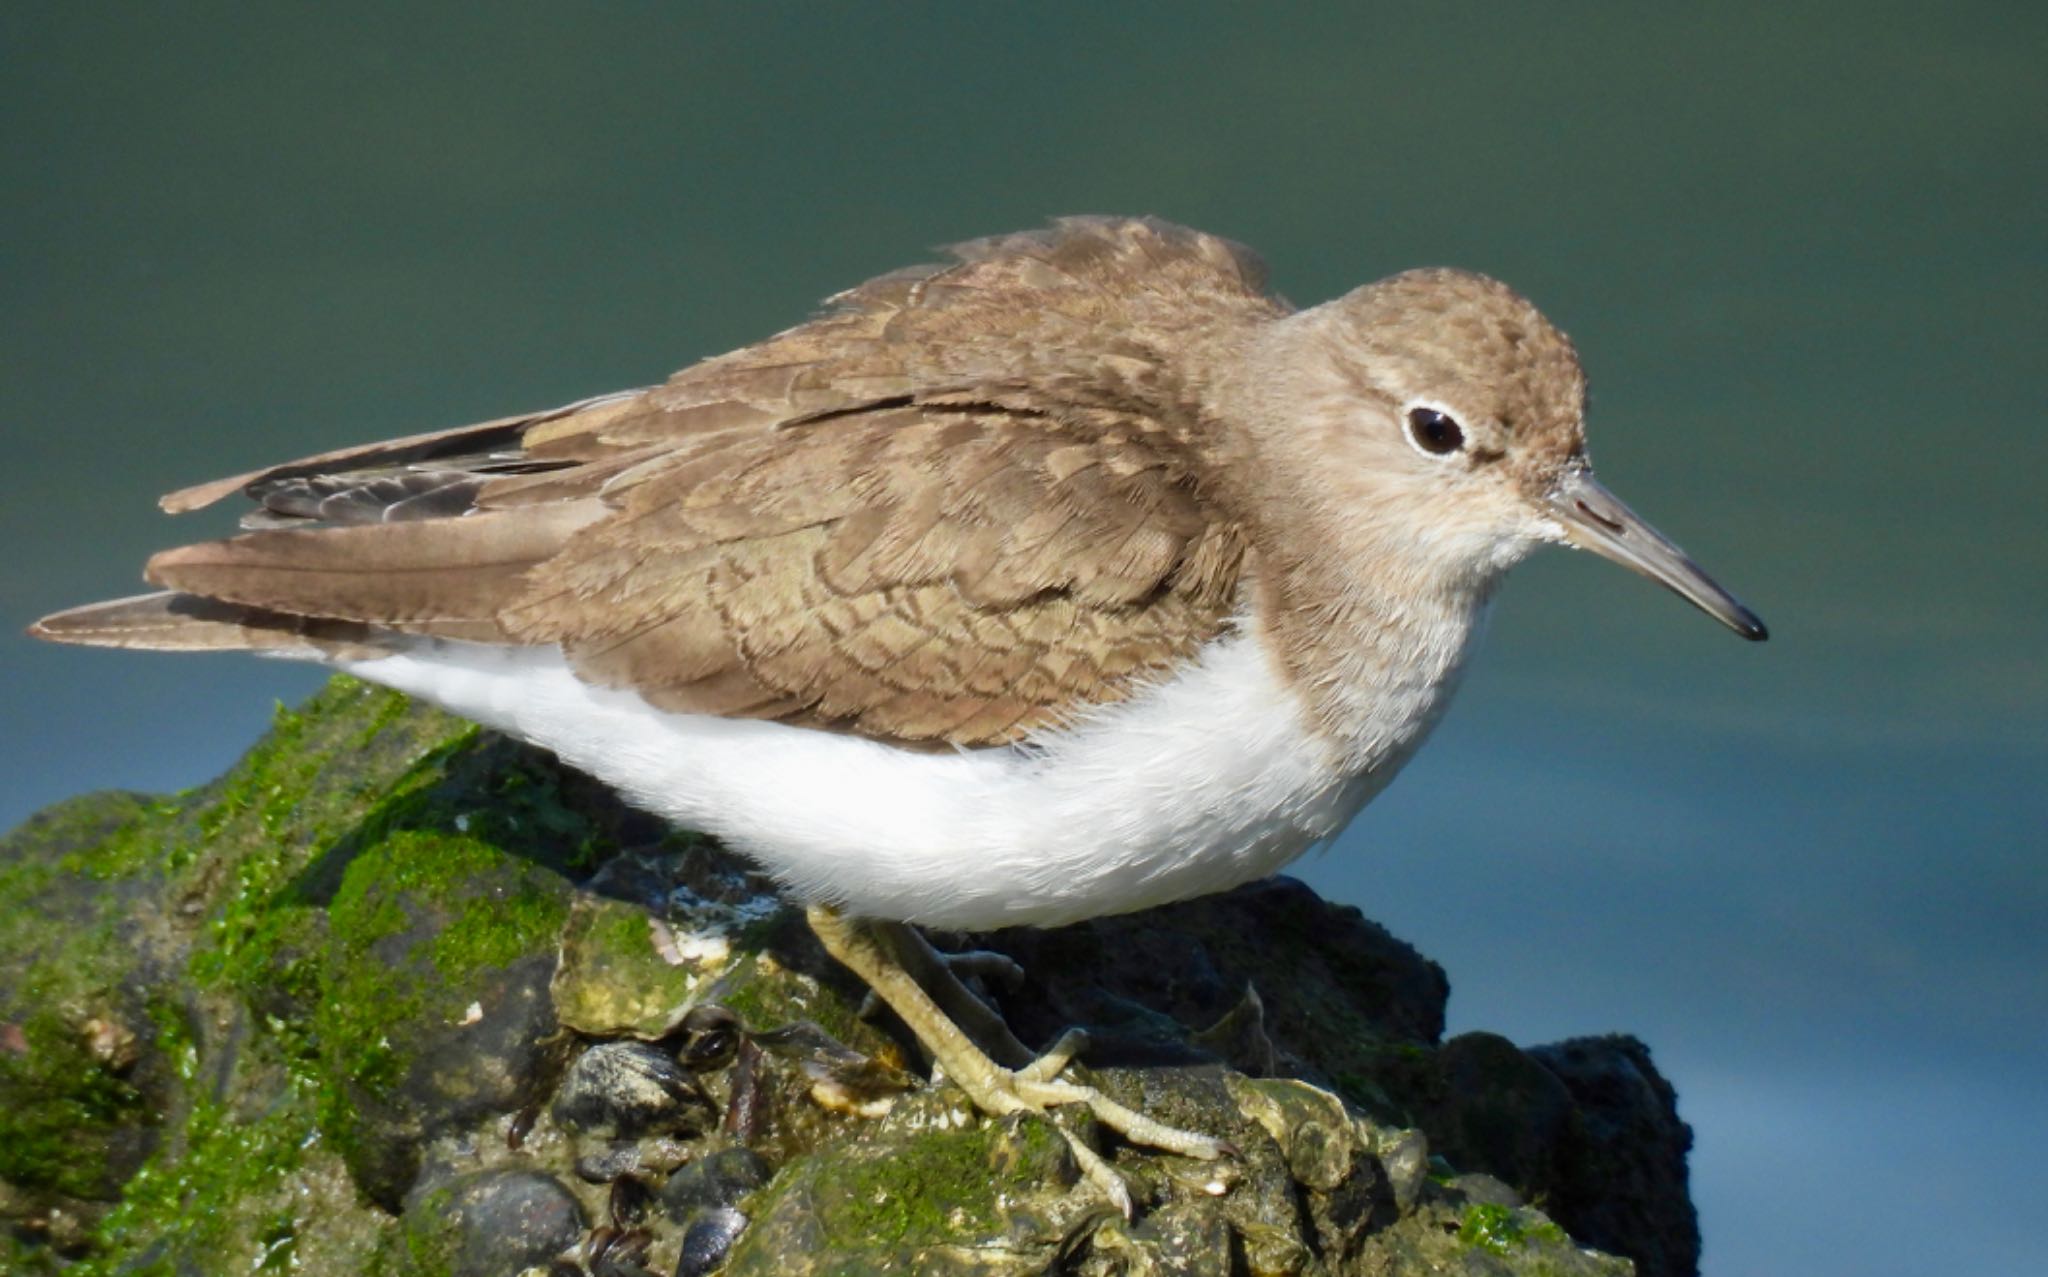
(398, 996)
(489, 1223)
(1626, 1156)
(627, 1091)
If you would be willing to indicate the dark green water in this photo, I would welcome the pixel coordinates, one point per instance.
(1802, 252)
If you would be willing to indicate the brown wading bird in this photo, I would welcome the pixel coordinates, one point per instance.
(1077, 575)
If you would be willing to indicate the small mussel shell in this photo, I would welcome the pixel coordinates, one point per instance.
(619, 1253)
(717, 1179)
(630, 1197)
(746, 1107)
(604, 1163)
(711, 1034)
(708, 1239)
(842, 1079)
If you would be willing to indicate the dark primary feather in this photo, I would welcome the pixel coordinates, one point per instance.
(342, 499)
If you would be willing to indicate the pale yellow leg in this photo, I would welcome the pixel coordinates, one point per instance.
(938, 974)
(995, 1090)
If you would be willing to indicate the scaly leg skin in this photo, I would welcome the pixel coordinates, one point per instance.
(995, 1090)
(938, 974)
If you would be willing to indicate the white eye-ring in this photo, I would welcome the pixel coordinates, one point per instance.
(1434, 431)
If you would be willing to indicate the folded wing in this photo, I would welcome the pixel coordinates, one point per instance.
(956, 508)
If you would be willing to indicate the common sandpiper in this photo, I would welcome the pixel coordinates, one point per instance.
(1075, 575)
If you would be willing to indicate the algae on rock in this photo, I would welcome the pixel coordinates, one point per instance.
(321, 1016)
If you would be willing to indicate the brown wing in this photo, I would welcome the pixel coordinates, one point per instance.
(959, 505)
(918, 574)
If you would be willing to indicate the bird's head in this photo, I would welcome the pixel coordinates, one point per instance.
(1447, 418)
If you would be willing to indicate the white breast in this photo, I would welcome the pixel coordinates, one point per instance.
(1204, 781)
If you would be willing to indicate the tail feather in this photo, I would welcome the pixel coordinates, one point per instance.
(443, 576)
(172, 622)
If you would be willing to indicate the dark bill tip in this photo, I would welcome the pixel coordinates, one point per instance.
(1595, 519)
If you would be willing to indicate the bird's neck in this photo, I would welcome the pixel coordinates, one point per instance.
(1368, 602)
(1374, 657)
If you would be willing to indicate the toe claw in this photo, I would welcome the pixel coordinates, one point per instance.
(1097, 1171)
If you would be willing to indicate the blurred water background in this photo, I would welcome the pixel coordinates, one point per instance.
(1801, 247)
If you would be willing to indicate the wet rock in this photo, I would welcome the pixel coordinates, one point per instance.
(84, 1082)
(1333, 985)
(492, 1223)
(611, 1160)
(1178, 1240)
(1484, 1190)
(605, 1163)
(1448, 1234)
(626, 1090)
(616, 978)
(1311, 1126)
(1622, 1183)
(1332, 1154)
(920, 1192)
(716, 1180)
(1500, 1110)
(1239, 1039)
(495, 1056)
(1404, 1159)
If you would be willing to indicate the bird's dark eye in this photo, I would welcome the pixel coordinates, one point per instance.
(1435, 432)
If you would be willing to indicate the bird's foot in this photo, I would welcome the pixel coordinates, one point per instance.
(1034, 1086)
(1038, 1088)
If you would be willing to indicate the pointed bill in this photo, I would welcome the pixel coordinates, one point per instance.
(1595, 519)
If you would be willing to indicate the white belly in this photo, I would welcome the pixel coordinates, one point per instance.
(1205, 781)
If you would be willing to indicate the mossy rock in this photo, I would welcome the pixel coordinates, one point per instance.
(83, 1082)
(926, 1190)
(259, 1025)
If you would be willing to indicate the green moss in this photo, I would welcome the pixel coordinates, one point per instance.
(59, 1106)
(19, 1257)
(620, 931)
(229, 1199)
(356, 872)
(416, 918)
(131, 844)
(896, 1196)
(52, 901)
(431, 1247)
(520, 912)
(302, 794)
(74, 887)
(916, 1197)
(1490, 1228)
(222, 1192)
